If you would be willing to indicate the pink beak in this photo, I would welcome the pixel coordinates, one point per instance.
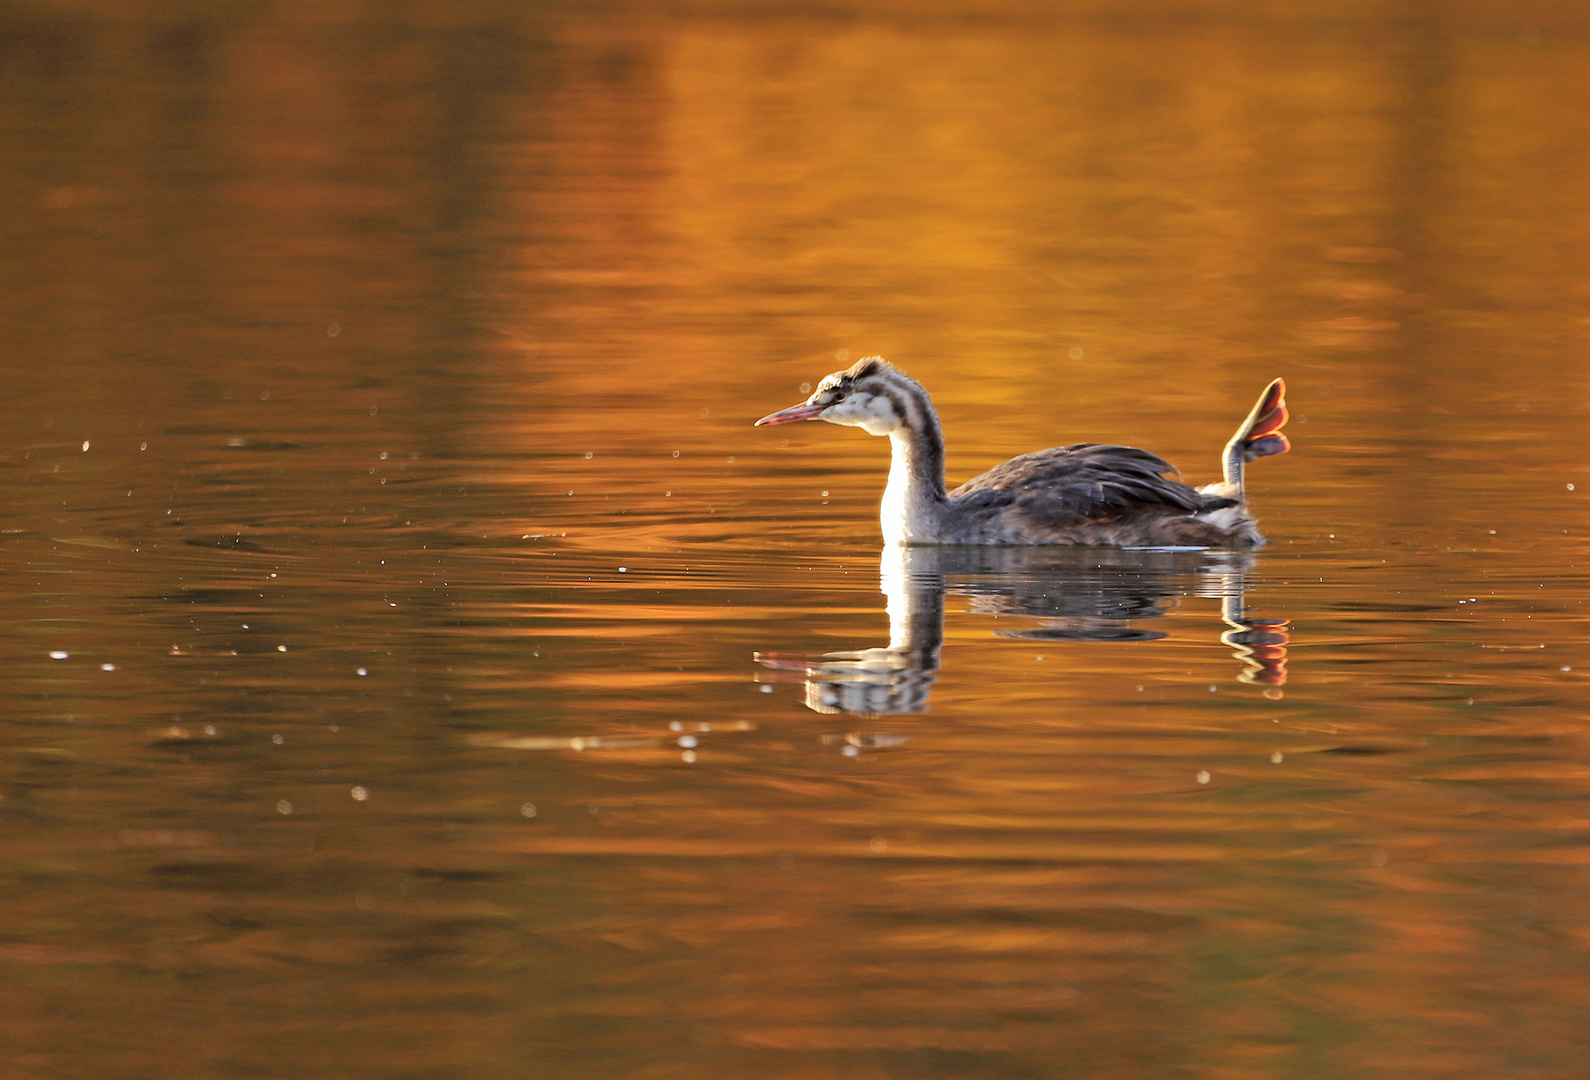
(803, 411)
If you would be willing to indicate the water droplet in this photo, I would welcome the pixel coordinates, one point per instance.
(58, 655)
(364, 671)
(589, 455)
(689, 742)
(878, 843)
(767, 689)
(1275, 758)
(277, 739)
(1076, 352)
(1203, 776)
(1379, 858)
(360, 794)
(688, 757)
(527, 809)
(841, 355)
(676, 453)
(281, 648)
(85, 446)
(334, 329)
(107, 667)
(284, 807)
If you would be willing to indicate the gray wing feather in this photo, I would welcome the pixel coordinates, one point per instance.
(1070, 485)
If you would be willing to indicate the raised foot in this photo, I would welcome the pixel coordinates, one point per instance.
(1261, 435)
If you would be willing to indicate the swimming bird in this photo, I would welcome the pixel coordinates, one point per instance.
(1113, 496)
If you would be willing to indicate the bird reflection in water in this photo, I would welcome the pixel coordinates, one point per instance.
(1070, 594)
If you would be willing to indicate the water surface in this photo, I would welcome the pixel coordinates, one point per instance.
(418, 666)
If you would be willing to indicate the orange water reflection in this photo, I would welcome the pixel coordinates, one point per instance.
(378, 462)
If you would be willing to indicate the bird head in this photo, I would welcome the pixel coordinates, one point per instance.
(859, 397)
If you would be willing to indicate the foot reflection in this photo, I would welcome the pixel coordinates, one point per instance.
(1070, 594)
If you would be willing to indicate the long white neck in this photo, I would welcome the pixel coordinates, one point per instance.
(914, 503)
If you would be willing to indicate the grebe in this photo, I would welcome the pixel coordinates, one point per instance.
(1112, 496)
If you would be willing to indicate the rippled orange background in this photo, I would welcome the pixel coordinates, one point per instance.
(373, 330)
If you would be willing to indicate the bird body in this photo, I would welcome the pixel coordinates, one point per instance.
(1085, 494)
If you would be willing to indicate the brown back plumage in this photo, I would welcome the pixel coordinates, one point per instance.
(1068, 486)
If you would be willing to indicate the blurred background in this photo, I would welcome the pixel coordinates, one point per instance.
(388, 554)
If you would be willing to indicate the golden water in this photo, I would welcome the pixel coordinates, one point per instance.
(454, 684)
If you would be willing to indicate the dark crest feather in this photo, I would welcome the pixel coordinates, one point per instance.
(868, 365)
